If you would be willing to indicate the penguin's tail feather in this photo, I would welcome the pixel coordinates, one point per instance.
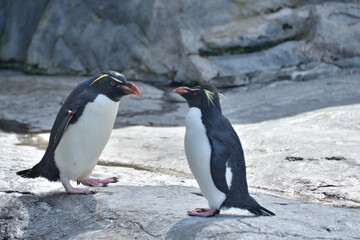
(260, 211)
(248, 203)
(28, 173)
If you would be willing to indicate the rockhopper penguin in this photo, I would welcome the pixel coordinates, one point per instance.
(81, 130)
(214, 153)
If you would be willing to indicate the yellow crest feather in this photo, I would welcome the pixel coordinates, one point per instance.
(105, 75)
(116, 79)
(97, 79)
(210, 96)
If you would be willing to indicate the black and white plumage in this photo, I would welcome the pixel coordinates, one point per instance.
(81, 130)
(215, 154)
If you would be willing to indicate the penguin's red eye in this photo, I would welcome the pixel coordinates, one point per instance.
(112, 83)
(194, 93)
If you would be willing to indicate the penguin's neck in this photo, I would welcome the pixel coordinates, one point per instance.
(207, 109)
(210, 112)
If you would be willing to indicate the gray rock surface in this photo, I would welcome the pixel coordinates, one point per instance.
(32, 101)
(134, 35)
(301, 147)
(228, 43)
(147, 205)
(18, 23)
(258, 31)
(335, 39)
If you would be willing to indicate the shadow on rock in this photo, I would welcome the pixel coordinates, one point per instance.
(59, 215)
(196, 227)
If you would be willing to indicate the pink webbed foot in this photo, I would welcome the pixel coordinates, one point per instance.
(92, 182)
(204, 212)
(69, 189)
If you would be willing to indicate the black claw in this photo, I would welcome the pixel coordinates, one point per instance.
(92, 192)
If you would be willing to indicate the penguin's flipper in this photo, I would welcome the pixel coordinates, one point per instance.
(45, 167)
(61, 123)
(220, 154)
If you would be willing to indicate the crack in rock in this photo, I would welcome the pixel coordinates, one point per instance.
(293, 159)
(324, 186)
(143, 229)
(336, 158)
(20, 192)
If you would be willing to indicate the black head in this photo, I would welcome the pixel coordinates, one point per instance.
(113, 85)
(205, 97)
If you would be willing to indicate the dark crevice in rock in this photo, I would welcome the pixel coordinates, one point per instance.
(282, 204)
(20, 192)
(33, 68)
(336, 158)
(332, 196)
(323, 186)
(12, 65)
(13, 126)
(333, 158)
(234, 50)
(275, 10)
(293, 159)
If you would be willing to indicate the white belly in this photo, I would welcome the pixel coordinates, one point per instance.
(198, 154)
(83, 142)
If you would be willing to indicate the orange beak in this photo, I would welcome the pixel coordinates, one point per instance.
(181, 90)
(131, 89)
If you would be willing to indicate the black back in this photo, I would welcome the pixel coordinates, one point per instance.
(226, 149)
(107, 83)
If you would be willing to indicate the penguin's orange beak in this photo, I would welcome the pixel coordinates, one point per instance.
(131, 89)
(181, 90)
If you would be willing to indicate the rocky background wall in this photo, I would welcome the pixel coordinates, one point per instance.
(300, 138)
(225, 42)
